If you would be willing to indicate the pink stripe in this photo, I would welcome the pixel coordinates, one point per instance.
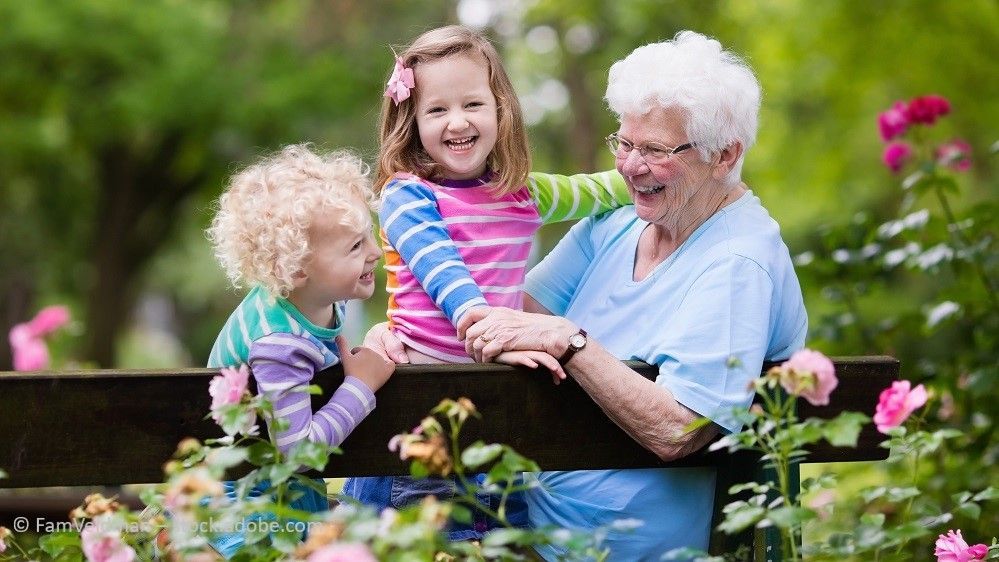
(430, 333)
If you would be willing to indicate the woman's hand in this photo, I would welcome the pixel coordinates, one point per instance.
(490, 331)
(380, 339)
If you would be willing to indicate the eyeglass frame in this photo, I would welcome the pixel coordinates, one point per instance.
(644, 149)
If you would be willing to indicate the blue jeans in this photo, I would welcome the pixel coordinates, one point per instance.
(312, 501)
(399, 491)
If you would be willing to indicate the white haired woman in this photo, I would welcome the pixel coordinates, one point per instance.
(693, 276)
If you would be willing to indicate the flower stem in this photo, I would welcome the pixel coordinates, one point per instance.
(963, 242)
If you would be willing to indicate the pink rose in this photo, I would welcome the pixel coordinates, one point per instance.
(343, 552)
(952, 548)
(48, 320)
(956, 154)
(101, 546)
(896, 155)
(29, 350)
(926, 109)
(811, 375)
(893, 122)
(896, 403)
(229, 386)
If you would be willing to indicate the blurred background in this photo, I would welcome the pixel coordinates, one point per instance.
(120, 121)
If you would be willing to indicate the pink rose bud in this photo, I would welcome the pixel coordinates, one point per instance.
(49, 319)
(956, 154)
(977, 552)
(896, 155)
(811, 375)
(29, 352)
(926, 109)
(896, 403)
(229, 386)
(893, 122)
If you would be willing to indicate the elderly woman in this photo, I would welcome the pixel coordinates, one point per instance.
(693, 278)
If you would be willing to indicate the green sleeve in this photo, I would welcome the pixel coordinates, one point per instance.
(562, 198)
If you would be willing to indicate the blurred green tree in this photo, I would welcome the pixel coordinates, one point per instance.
(120, 117)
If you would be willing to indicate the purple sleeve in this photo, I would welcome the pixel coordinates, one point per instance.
(281, 362)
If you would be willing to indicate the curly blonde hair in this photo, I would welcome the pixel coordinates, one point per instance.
(399, 140)
(261, 229)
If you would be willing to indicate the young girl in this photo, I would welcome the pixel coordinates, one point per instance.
(458, 211)
(296, 227)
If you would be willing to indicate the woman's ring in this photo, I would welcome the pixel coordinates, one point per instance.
(484, 338)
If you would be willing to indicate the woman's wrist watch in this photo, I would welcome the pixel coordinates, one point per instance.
(577, 342)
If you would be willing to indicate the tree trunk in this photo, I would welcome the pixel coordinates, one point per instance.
(136, 215)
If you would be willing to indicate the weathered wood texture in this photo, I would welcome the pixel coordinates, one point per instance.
(115, 427)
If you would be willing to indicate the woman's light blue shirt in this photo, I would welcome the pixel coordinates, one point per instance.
(729, 292)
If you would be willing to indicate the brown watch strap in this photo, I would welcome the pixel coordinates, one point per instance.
(571, 350)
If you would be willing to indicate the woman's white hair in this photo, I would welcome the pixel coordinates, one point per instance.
(715, 88)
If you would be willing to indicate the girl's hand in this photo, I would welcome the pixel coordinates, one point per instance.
(383, 342)
(365, 364)
(533, 359)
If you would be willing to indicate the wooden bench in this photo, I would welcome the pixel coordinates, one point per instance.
(109, 427)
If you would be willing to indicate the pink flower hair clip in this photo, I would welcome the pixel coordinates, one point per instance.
(401, 82)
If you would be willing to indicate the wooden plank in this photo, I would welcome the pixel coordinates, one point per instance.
(119, 426)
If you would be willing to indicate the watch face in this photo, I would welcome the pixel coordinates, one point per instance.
(577, 340)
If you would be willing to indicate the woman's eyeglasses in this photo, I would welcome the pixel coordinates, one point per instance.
(652, 153)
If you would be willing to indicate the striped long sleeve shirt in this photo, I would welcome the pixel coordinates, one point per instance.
(285, 350)
(452, 245)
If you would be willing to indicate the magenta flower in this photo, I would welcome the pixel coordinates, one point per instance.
(893, 122)
(896, 403)
(926, 109)
(809, 374)
(956, 154)
(952, 548)
(27, 345)
(48, 320)
(104, 546)
(896, 154)
(343, 552)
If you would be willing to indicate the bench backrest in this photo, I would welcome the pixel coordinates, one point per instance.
(120, 426)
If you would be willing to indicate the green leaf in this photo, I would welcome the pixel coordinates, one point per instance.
(790, 516)
(843, 430)
(55, 543)
(226, 457)
(873, 519)
(261, 453)
(281, 472)
(970, 510)
(479, 454)
(696, 424)
(501, 537)
(310, 454)
(461, 514)
(738, 519)
(989, 493)
(418, 470)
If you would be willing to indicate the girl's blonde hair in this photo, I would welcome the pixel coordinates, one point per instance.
(400, 148)
(261, 230)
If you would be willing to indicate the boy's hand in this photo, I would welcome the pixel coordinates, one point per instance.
(533, 359)
(365, 364)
